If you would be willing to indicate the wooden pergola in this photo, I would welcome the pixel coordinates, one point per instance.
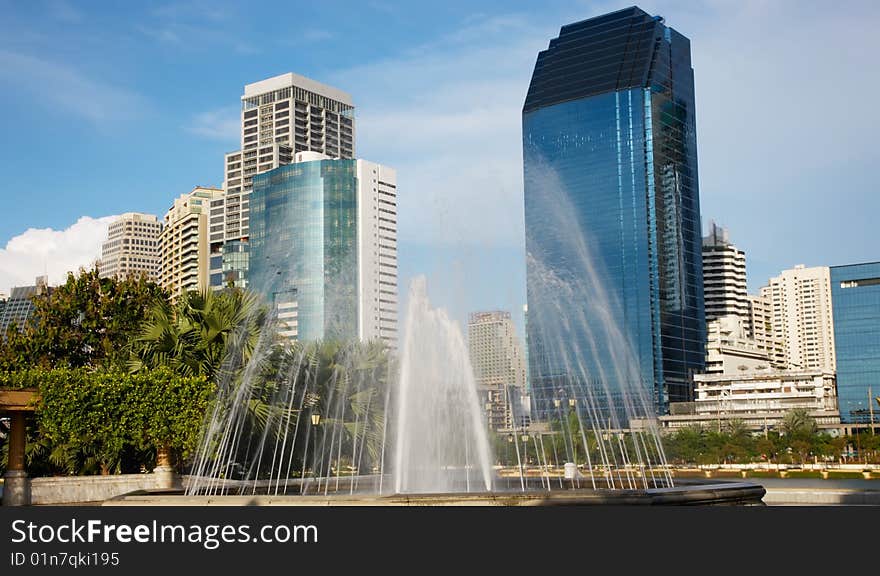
(16, 404)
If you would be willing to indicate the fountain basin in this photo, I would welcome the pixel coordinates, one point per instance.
(703, 494)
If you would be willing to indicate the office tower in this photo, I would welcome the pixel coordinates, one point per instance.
(612, 210)
(323, 247)
(724, 276)
(19, 306)
(802, 319)
(499, 366)
(281, 116)
(855, 297)
(183, 244)
(132, 247)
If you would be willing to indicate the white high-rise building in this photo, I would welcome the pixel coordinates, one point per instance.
(724, 276)
(280, 117)
(499, 366)
(802, 320)
(184, 247)
(132, 247)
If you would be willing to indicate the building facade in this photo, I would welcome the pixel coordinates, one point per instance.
(499, 366)
(759, 327)
(184, 246)
(18, 307)
(132, 247)
(724, 276)
(758, 399)
(234, 261)
(802, 319)
(281, 116)
(323, 248)
(729, 350)
(613, 234)
(855, 296)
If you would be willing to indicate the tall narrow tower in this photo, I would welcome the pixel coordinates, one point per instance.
(612, 211)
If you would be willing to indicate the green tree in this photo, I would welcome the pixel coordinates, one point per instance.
(87, 321)
(797, 423)
(685, 446)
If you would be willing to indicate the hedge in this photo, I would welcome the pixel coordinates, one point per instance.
(102, 413)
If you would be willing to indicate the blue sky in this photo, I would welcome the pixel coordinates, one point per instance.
(119, 106)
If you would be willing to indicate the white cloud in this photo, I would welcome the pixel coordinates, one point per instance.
(219, 124)
(39, 251)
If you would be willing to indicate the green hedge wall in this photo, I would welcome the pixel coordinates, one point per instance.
(104, 413)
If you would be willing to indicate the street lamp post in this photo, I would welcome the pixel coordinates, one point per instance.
(316, 421)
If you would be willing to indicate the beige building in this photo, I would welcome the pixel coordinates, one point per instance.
(802, 321)
(759, 327)
(184, 244)
(132, 247)
(499, 365)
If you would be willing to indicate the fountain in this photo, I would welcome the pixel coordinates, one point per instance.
(344, 422)
(339, 424)
(441, 439)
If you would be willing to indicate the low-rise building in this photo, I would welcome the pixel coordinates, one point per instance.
(759, 399)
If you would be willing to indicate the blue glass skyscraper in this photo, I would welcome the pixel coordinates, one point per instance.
(855, 302)
(323, 248)
(612, 213)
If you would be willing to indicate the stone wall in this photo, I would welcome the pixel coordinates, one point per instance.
(90, 489)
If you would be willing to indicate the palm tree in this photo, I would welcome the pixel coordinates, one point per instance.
(205, 333)
(797, 423)
(349, 382)
(201, 334)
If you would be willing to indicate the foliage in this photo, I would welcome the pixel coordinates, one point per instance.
(798, 424)
(87, 321)
(797, 441)
(200, 334)
(90, 421)
(344, 382)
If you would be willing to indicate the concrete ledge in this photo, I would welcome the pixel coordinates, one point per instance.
(822, 497)
(81, 489)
